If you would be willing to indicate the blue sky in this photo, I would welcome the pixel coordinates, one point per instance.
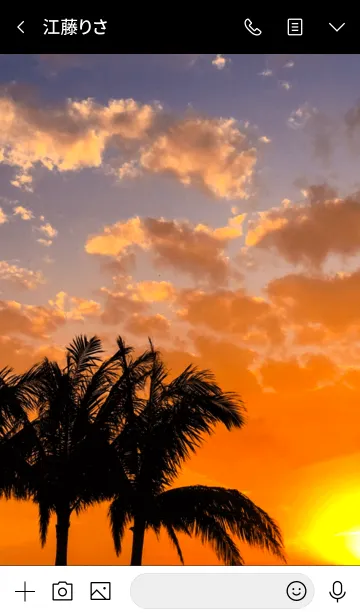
(80, 203)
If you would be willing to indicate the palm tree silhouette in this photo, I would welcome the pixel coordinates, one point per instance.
(120, 430)
(16, 401)
(12, 411)
(159, 432)
(66, 464)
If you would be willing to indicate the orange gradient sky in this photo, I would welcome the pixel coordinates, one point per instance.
(211, 202)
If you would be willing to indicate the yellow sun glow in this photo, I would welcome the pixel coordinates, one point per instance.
(333, 530)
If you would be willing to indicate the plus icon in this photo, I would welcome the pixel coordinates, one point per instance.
(25, 591)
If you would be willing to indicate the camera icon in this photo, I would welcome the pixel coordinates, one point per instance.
(62, 591)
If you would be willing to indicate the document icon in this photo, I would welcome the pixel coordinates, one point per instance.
(295, 27)
(100, 591)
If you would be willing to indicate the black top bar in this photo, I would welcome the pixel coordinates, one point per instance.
(149, 30)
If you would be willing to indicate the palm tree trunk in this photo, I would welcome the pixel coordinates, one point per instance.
(62, 535)
(138, 541)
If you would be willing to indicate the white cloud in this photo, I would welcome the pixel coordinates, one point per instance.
(300, 116)
(267, 72)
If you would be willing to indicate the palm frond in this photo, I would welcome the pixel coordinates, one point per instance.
(83, 354)
(212, 532)
(174, 426)
(174, 540)
(44, 521)
(195, 508)
(120, 515)
(158, 375)
(13, 400)
(122, 396)
(94, 393)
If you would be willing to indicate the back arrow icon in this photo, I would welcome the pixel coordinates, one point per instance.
(19, 27)
(337, 29)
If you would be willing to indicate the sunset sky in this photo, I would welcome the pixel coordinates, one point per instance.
(211, 201)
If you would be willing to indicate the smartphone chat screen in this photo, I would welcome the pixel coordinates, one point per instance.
(179, 321)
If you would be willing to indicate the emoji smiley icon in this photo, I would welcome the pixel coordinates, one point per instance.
(296, 591)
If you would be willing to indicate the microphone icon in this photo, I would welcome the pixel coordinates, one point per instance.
(337, 591)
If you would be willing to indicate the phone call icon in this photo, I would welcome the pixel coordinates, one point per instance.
(248, 25)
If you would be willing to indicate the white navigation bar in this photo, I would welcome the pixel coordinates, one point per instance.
(131, 591)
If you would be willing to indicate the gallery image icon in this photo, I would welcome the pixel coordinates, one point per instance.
(100, 591)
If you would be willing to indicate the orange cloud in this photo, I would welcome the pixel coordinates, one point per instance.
(3, 217)
(20, 276)
(196, 250)
(231, 312)
(23, 212)
(21, 356)
(75, 308)
(68, 137)
(33, 321)
(230, 362)
(152, 325)
(131, 301)
(48, 230)
(41, 321)
(44, 242)
(82, 308)
(187, 249)
(310, 335)
(351, 378)
(296, 375)
(311, 232)
(120, 266)
(119, 305)
(115, 239)
(232, 230)
(212, 153)
(220, 62)
(328, 301)
(151, 291)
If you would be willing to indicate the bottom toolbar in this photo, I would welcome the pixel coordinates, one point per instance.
(130, 590)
